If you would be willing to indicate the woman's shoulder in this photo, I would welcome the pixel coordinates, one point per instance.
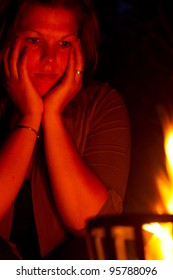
(95, 96)
(98, 86)
(100, 90)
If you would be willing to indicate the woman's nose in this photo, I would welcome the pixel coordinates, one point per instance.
(48, 55)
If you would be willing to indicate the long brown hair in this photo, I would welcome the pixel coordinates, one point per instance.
(11, 11)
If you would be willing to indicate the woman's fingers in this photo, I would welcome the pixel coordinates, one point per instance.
(79, 56)
(75, 67)
(6, 66)
(79, 61)
(22, 64)
(11, 60)
(70, 72)
(15, 62)
(15, 59)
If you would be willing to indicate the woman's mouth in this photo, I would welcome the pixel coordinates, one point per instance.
(44, 82)
(47, 76)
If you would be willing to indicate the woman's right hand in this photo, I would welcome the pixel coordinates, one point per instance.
(17, 82)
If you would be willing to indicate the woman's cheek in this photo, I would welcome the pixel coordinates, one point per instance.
(33, 60)
(34, 52)
(62, 58)
(25, 44)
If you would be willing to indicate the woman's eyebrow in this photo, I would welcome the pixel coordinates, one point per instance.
(42, 34)
(68, 36)
(27, 31)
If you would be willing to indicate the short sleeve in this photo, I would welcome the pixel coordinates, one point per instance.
(107, 149)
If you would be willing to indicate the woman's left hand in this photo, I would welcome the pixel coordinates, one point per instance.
(56, 100)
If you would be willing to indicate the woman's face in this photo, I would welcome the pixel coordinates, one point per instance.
(48, 33)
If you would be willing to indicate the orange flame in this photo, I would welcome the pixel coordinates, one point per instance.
(165, 183)
(161, 234)
(159, 245)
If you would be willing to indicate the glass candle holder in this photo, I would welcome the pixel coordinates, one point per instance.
(130, 237)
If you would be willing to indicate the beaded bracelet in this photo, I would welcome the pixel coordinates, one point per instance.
(28, 127)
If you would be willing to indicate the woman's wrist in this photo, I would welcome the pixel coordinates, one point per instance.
(30, 120)
(50, 117)
(29, 128)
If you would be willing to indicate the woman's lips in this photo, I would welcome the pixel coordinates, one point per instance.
(43, 82)
(46, 79)
(46, 76)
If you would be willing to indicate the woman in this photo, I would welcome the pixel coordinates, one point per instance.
(78, 166)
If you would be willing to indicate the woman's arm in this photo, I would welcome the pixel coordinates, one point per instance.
(79, 193)
(17, 149)
(108, 144)
(103, 164)
(15, 156)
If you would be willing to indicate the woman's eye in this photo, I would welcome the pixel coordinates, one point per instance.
(65, 44)
(33, 40)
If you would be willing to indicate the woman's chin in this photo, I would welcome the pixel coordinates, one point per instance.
(42, 92)
(44, 83)
(43, 89)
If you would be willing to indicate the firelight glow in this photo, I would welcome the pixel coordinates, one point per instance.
(161, 240)
(161, 234)
(165, 183)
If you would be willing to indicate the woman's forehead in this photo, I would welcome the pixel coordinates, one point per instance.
(45, 17)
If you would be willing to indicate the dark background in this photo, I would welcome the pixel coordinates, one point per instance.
(136, 57)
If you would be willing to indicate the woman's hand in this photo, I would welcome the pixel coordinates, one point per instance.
(17, 81)
(56, 100)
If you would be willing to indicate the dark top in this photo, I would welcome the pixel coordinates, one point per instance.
(23, 232)
(98, 124)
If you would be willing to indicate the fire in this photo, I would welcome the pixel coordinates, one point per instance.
(158, 241)
(160, 235)
(165, 183)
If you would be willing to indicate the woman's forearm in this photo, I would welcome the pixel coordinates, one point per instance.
(15, 156)
(78, 193)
